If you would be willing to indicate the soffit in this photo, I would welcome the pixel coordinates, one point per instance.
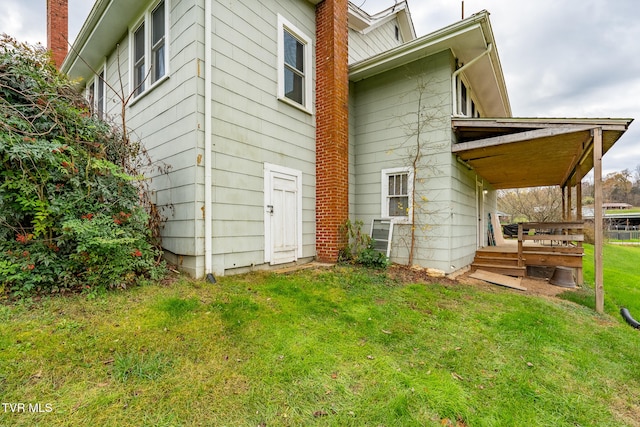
(526, 152)
(106, 26)
(467, 40)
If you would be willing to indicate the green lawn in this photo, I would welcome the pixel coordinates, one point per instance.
(621, 279)
(331, 347)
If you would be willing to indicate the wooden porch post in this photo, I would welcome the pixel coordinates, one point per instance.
(597, 218)
(579, 197)
(569, 216)
(564, 203)
(579, 273)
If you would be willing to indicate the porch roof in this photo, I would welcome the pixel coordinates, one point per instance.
(532, 152)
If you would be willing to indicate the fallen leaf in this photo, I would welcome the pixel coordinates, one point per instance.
(370, 357)
(456, 376)
(386, 332)
(318, 414)
(529, 364)
(334, 375)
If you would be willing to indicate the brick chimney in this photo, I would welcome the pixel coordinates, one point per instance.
(57, 29)
(332, 127)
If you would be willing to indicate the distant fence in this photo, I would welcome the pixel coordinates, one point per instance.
(622, 234)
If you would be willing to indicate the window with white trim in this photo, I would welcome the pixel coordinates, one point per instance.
(149, 48)
(100, 91)
(397, 189)
(466, 103)
(294, 65)
(96, 95)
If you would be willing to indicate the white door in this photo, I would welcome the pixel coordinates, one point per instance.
(282, 214)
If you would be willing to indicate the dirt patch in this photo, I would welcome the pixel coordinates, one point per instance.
(405, 274)
(534, 285)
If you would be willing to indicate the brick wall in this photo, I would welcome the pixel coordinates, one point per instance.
(57, 29)
(332, 127)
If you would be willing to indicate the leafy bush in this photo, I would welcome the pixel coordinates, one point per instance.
(70, 216)
(359, 248)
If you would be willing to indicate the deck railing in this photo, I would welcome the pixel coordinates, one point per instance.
(564, 247)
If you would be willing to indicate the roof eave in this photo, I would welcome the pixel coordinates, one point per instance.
(475, 30)
(107, 23)
(362, 22)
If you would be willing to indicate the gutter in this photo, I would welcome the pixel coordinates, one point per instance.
(208, 155)
(454, 86)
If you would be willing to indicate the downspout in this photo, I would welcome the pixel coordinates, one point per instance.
(454, 76)
(208, 155)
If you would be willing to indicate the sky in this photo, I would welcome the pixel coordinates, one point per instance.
(560, 58)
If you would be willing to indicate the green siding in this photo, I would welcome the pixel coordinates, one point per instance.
(386, 131)
(165, 119)
(250, 127)
(375, 41)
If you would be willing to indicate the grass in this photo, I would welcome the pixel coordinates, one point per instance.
(332, 347)
(621, 279)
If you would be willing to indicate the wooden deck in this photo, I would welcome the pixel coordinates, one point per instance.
(559, 248)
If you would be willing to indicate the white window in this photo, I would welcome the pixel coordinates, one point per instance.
(96, 95)
(149, 48)
(397, 198)
(294, 65)
(466, 104)
(100, 98)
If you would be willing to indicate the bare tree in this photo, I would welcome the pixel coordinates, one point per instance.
(418, 147)
(616, 186)
(538, 204)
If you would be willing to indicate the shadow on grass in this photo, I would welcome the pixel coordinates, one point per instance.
(586, 297)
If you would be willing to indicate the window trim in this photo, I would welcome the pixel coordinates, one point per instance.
(471, 105)
(146, 20)
(307, 105)
(93, 91)
(384, 193)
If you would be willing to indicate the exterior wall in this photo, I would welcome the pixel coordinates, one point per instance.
(166, 119)
(379, 39)
(386, 132)
(464, 219)
(251, 126)
(352, 151)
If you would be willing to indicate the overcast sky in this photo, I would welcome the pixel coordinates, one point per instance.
(561, 58)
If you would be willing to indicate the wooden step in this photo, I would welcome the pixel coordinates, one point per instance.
(500, 269)
(493, 260)
(546, 259)
(499, 254)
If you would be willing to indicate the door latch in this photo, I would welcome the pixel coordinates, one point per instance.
(270, 209)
